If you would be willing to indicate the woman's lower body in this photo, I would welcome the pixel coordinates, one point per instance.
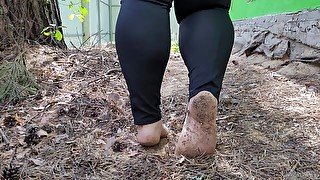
(143, 45)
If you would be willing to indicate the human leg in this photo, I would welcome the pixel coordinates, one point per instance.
(206, 40)
(143, 45)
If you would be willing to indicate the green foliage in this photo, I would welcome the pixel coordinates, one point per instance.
(58, 35)
(77, 10)
(53, 31)
(175, 47)
(15, 81)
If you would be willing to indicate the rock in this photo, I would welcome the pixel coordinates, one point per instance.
(272, 64)
(298, 68)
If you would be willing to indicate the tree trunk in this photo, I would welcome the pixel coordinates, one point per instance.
(23, 20)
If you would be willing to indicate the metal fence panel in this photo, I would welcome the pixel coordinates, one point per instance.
(99, 26)
(74, 32)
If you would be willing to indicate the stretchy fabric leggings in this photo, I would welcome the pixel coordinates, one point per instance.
(143, 45)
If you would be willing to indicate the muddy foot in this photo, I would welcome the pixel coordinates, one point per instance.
(198, 136)
(150, 135)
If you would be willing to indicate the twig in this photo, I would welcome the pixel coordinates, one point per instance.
(75, 46)
(82, 44)
(96, 79)
(4, 137)
(113, 71)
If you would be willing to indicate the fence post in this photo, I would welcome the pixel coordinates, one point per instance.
(110, 21)
(86, 23)
(99, 21)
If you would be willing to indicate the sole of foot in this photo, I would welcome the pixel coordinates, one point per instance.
(198, 136)
(150, 135)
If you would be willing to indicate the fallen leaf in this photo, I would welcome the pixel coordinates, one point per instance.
(110, 142)
(19, 119)
(61, 137)
(42, 133)
(38, 162)
(181, 160)
(114, 97)
(21, 141)
(133, 153)
(21, 130)
(133, 142)
(45, 119)
(22, 154)
(100, 141)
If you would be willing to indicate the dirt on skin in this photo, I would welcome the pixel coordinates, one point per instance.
(204, 107)
(198, 136)
(80, 126)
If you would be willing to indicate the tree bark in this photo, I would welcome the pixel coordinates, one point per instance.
(23, 20)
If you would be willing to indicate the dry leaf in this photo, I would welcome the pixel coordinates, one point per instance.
(100, 141)
(22, 154)
(133, 142)
(61, 137)
(133, 153)
(45, 119)
(110, 142)
(38, 162)
(42, 133)
(21, 130)
(19, 119)
(114, 97)
(181, 160)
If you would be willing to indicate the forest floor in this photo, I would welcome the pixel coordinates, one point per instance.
(80, 125)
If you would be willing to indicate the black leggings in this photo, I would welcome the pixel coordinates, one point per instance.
(143, 46)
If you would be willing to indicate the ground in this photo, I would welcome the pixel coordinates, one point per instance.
(80, 127)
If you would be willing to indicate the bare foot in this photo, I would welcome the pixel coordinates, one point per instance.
(150, 135)
(198, 136)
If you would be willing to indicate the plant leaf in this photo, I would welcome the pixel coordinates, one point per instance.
(47, 33)
(45, 29)
(71, 17)
(58, 35)
(83, 10)
(80, 17)
(70, 5)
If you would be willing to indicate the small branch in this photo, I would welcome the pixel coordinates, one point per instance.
(75, 46)
(5, 139)
(82, 44)
(115, 70)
